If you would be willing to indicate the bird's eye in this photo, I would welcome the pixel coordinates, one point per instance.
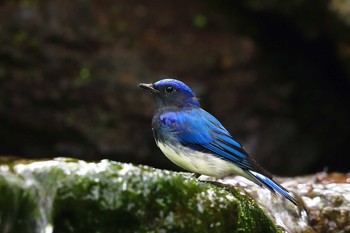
(169, 89)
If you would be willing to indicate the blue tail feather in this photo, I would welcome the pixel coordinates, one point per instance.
(273, 186)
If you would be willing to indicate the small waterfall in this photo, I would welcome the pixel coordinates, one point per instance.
(27, 197)
(29, 188)
(45, 185)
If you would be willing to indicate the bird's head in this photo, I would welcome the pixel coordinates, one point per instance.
(171, 93)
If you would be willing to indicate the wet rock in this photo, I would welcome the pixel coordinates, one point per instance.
(324, 201)
(68, 195)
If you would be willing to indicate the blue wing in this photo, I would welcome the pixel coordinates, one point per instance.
(201, 131)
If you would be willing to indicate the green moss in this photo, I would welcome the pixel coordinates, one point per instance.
(19, 204)
(143, 198)
(76, 196)
(252, 217)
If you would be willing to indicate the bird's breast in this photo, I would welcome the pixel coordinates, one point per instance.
(198, 162)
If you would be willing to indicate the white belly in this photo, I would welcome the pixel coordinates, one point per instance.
(199, 162)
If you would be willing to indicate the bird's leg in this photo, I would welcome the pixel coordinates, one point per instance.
(196, 175)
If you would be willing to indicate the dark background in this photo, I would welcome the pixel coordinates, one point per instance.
(275, 73)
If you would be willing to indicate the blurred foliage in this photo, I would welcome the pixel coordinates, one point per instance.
(274, 72)
(302, 62)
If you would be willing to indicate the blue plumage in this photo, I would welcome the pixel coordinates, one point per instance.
(197, 129)
(196, 141)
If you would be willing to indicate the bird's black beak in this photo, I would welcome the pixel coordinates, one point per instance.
(149, 87)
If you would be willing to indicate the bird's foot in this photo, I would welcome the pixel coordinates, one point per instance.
(196, 175)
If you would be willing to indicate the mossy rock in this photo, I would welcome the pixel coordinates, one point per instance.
(67, 195)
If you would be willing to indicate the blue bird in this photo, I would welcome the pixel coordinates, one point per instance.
(196, 141)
